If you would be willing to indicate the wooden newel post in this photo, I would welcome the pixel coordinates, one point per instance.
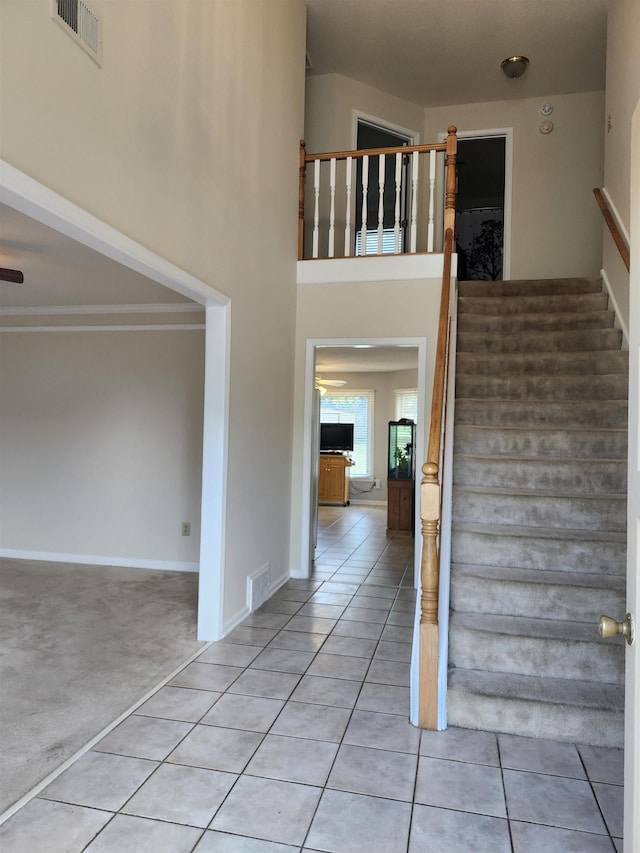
(302, 172)
(429, 639)
(451, 186)
(430, 516)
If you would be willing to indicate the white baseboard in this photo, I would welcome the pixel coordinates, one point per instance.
(232, 623)
(93, 560)
(616, 310)
(361, 502)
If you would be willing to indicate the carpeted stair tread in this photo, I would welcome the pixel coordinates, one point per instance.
(518, 575)
(533, 303)
(546, 441)
(525, 287)
(521, 626)
(579, 363)
(605, 414)
(542, 388)
(560, 533)
(551, 321)
(578, 475)
(557, 341)
(559, 691)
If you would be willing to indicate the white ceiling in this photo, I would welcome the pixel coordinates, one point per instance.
(59, 271)
(440, 52)
(377, 359)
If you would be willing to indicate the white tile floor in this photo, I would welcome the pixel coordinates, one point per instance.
(292, 735)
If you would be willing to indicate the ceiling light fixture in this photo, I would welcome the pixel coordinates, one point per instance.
(514, 66)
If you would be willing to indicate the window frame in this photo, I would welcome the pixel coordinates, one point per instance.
(369, 394)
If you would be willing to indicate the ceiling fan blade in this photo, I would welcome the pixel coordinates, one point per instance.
(338, 383)
(15, 276)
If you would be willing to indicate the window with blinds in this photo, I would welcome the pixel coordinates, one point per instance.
(407, 404)
(353, 407)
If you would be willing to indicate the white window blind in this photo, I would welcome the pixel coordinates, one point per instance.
(407, 404)
(353, 407)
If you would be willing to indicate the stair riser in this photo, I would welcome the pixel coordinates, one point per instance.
(542, 388)
(492, 441)
(536, 322)
(606, 362)
(535, 719)
(531, 552)
(587, 477)
(511, 305)
(529, 287)
(539, 656)
(577, 513)
(605, 339)
(515, 413)
(504, 598)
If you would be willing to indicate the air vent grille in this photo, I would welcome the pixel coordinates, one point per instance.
(82, 24)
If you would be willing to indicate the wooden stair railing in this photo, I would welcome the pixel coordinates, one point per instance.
(431, 485)
(612, 224)
(342, 196)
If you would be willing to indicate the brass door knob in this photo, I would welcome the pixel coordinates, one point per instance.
(608, 627)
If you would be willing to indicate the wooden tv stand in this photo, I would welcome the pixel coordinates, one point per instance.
(333, 479)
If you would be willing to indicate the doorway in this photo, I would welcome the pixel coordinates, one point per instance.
(483, 204)
(371, 135)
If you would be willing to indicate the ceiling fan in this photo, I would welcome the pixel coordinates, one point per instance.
(14, 276)
(321, 384)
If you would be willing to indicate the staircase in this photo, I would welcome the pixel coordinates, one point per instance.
(539, 512)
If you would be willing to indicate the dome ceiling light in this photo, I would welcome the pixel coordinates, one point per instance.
(514, 66)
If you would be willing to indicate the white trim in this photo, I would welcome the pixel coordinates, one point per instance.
(362, 502)
(98, 560)
(154, 327)
(413, 136)
(215, 441)
(94, 740)
(617, 216)
(614, 304)
(19, 191)
(507, 133)
(303, 561)
(26, 195)
(373, 268)
(152, 308)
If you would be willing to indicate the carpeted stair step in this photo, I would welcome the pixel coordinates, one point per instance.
(534, 646)
(538, 363)
(558, 341)
(509, 591)
(578, 475)
(555, 549)
(549, 322)
(531, 304)
(538, 508)
(603, 387)
(529, 287)
(573, 711)
(607, 414)
(548, 443)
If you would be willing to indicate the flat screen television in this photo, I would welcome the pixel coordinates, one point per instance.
(336, 437)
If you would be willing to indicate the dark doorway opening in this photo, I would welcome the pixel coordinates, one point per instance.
(373, 136)
(480, 208)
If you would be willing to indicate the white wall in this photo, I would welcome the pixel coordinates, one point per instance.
(555, 224)
(623, 92)
(187, 141)
(366, 310)
(101, 445)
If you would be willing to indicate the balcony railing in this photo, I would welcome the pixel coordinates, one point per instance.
(375, 202)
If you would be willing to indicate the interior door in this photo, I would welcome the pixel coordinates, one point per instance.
(632, 672)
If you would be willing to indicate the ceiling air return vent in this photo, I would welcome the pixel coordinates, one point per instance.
(81, 23)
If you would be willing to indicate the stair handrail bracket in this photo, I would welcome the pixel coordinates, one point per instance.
(348, 190)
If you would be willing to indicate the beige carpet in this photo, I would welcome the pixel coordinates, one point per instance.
(80, 645)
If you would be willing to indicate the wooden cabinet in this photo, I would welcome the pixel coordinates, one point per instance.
(400, 507)
(333, 480)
